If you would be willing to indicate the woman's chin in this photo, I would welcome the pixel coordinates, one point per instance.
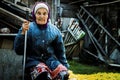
(41, 23)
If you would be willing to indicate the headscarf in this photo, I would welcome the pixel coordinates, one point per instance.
(36, 7)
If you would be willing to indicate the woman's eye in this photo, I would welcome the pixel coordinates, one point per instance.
(38, 13)
(44, 13)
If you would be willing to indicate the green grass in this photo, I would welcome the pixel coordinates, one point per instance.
(79, 68)
(80, 71)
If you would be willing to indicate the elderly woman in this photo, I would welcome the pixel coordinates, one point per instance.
(45, 53)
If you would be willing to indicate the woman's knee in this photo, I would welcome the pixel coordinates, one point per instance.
(63, 75)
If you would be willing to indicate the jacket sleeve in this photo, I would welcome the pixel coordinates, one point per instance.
(60, 50)
(19, 43)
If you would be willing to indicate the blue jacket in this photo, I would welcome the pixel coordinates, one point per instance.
(43, 45)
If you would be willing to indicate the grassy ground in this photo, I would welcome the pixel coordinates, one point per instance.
(88, 72)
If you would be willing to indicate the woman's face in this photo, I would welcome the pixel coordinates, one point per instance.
(41, 16)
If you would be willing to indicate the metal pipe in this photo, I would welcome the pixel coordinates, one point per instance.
(11, 34)
(25, 45)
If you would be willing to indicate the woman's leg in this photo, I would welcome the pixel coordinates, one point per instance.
(60, 73)
(40, 71)
(63, 75)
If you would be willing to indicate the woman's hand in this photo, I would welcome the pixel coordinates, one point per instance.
(25, 26)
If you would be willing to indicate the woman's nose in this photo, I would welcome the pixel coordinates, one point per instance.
(41, 15)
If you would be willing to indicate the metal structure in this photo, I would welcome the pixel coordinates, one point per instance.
(105, 44)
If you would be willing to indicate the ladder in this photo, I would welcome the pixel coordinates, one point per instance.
(102, 40)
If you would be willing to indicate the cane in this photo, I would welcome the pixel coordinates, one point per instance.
(25, 46)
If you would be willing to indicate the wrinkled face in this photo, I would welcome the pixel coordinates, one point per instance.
(41, 16)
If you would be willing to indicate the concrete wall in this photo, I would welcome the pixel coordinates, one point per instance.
(10, 65)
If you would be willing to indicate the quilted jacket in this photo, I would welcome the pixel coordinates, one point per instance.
(43, 45)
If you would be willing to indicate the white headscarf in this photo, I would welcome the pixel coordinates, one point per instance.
(41, 5)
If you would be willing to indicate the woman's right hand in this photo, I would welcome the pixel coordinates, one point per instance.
(25, 26)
